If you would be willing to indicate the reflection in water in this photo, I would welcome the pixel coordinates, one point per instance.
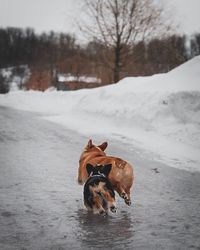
(96, 231)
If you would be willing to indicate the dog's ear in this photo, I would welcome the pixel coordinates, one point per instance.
(89, 168)
(89, 144)
(103, 146)
(106, 169)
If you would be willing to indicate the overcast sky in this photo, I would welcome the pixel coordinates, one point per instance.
(60, 15)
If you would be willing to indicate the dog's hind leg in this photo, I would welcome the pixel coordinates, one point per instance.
(128, 197)
(98, 208)
(124, 193)
(109, 202)
(120, 190)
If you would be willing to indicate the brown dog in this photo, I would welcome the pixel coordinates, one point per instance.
(121, 174)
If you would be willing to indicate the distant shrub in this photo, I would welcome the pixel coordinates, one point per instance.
(4, 86)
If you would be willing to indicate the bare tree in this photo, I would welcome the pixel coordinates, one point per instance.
(118, 24)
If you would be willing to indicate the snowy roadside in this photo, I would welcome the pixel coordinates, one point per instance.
(160, 114)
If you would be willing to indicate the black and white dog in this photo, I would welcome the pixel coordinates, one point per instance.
(99, 195)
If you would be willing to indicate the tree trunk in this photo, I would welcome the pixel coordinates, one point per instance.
(116, 70)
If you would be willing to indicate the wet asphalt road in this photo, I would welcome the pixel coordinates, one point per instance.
(41, 205)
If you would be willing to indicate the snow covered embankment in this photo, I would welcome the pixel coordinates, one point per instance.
(160, 114)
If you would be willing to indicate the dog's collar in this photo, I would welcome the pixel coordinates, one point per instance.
(97, 175)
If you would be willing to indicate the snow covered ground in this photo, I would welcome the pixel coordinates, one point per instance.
(159, 114)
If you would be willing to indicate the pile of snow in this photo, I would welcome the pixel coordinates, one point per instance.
(160, 114)
(72, 78)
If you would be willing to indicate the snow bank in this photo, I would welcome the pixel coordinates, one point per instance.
(72, 78)
(160, 114)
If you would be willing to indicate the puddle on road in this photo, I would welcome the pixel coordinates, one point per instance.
(97, 231)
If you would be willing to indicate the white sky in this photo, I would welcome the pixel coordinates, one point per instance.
(60, 15)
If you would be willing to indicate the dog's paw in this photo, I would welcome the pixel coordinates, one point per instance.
(103, 212)
(128, 202)
(113, 209)
(124, 196)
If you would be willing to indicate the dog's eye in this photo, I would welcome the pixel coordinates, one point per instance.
(98, 192)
